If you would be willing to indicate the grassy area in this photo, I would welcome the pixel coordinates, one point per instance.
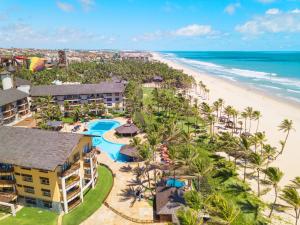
(30, 216)
(67, 120)
(93, 199)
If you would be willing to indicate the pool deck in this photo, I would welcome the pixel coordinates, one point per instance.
(140, 209)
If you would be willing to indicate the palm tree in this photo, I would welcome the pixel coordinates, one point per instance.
(221, 210)
(249, 112)
(274, 176)
(244, 116)
(257, 162)
(257, 115)
(286, 126)
(245, 146)
(296, 182)
(269, 152)
(188, 217)
(200, 168)
(291, 196)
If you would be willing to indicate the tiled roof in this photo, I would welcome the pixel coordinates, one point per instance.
(11, 95)
(36, 148)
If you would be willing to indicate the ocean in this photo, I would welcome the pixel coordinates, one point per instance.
(277, 73)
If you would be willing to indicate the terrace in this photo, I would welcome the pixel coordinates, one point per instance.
(72, 169)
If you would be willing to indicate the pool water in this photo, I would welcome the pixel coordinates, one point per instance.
(175, 183)
(98, 129)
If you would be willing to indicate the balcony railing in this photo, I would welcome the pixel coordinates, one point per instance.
(72, 169)
(7, 182)
(73, 204)
(72, 180)
(7, 170)
(89, 154)
(73, 193)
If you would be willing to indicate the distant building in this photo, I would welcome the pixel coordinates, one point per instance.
(46, 169)
(140, 56)
(108, 93)
(13, 102)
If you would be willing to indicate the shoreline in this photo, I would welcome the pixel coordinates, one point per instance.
(177, 65)
(273, 111)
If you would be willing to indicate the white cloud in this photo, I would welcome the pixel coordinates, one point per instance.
(296, 11)
(266, 1)
(87, 4)
(271, 23)
(273, 11)
(66, 7)
(21, 32)
(194, 30)
(230, 9)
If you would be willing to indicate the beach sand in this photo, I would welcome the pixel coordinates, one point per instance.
(273, 111)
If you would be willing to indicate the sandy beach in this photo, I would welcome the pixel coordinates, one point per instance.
(273, 112)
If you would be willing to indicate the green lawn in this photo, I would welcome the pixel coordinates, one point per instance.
(31, 216)
(93, 199)
(67, 120)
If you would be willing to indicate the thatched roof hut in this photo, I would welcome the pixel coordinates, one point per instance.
(128, 129)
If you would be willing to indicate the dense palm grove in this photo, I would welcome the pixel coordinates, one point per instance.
(221, 164)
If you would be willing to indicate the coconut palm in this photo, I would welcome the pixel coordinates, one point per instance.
(286, 126)
(249, 112)
(296, 183)
(221, 210)
(200, 168)
(244, 116)
(291, 196)
(274, 176)
(188, 217)
(257, 115)
(245, 147)
(269, 152)
(257, 162)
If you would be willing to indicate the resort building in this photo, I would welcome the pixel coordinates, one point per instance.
(13, 105)
(45, 169)
(111, 94)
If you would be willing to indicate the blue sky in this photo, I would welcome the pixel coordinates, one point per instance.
(151, 24)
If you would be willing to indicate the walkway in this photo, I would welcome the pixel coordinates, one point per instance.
(140, 210)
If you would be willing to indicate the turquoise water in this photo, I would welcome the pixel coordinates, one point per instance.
(98, 128)
(175, 183)
(275, 72)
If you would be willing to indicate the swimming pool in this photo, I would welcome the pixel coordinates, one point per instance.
(98, 128)
(175, 183)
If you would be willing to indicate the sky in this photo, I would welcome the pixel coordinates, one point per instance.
(239, 25)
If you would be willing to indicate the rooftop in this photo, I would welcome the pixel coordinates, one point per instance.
(77, 89)
(36, 148)
(168, 200)
(11, 95)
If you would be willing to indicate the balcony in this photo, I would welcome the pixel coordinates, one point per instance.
(7, 183)
(71, 170)
(6, 170)
(89, 154)
(74, 203)
(73, 193)
(7, 197)
(72, 180)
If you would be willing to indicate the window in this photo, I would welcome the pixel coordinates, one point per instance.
(109, 99)
(46, 192)
(44, 180)
(27, 178)
(31, 201)
(29, 189)
(17, 174)
(109, 94)
(19, 185)
(109, 104)
(47, 204)
(117, 99)
(117, 94)
(76, 157)
(43, 171)
(25, 168)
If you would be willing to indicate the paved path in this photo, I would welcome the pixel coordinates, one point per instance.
(140, 210)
